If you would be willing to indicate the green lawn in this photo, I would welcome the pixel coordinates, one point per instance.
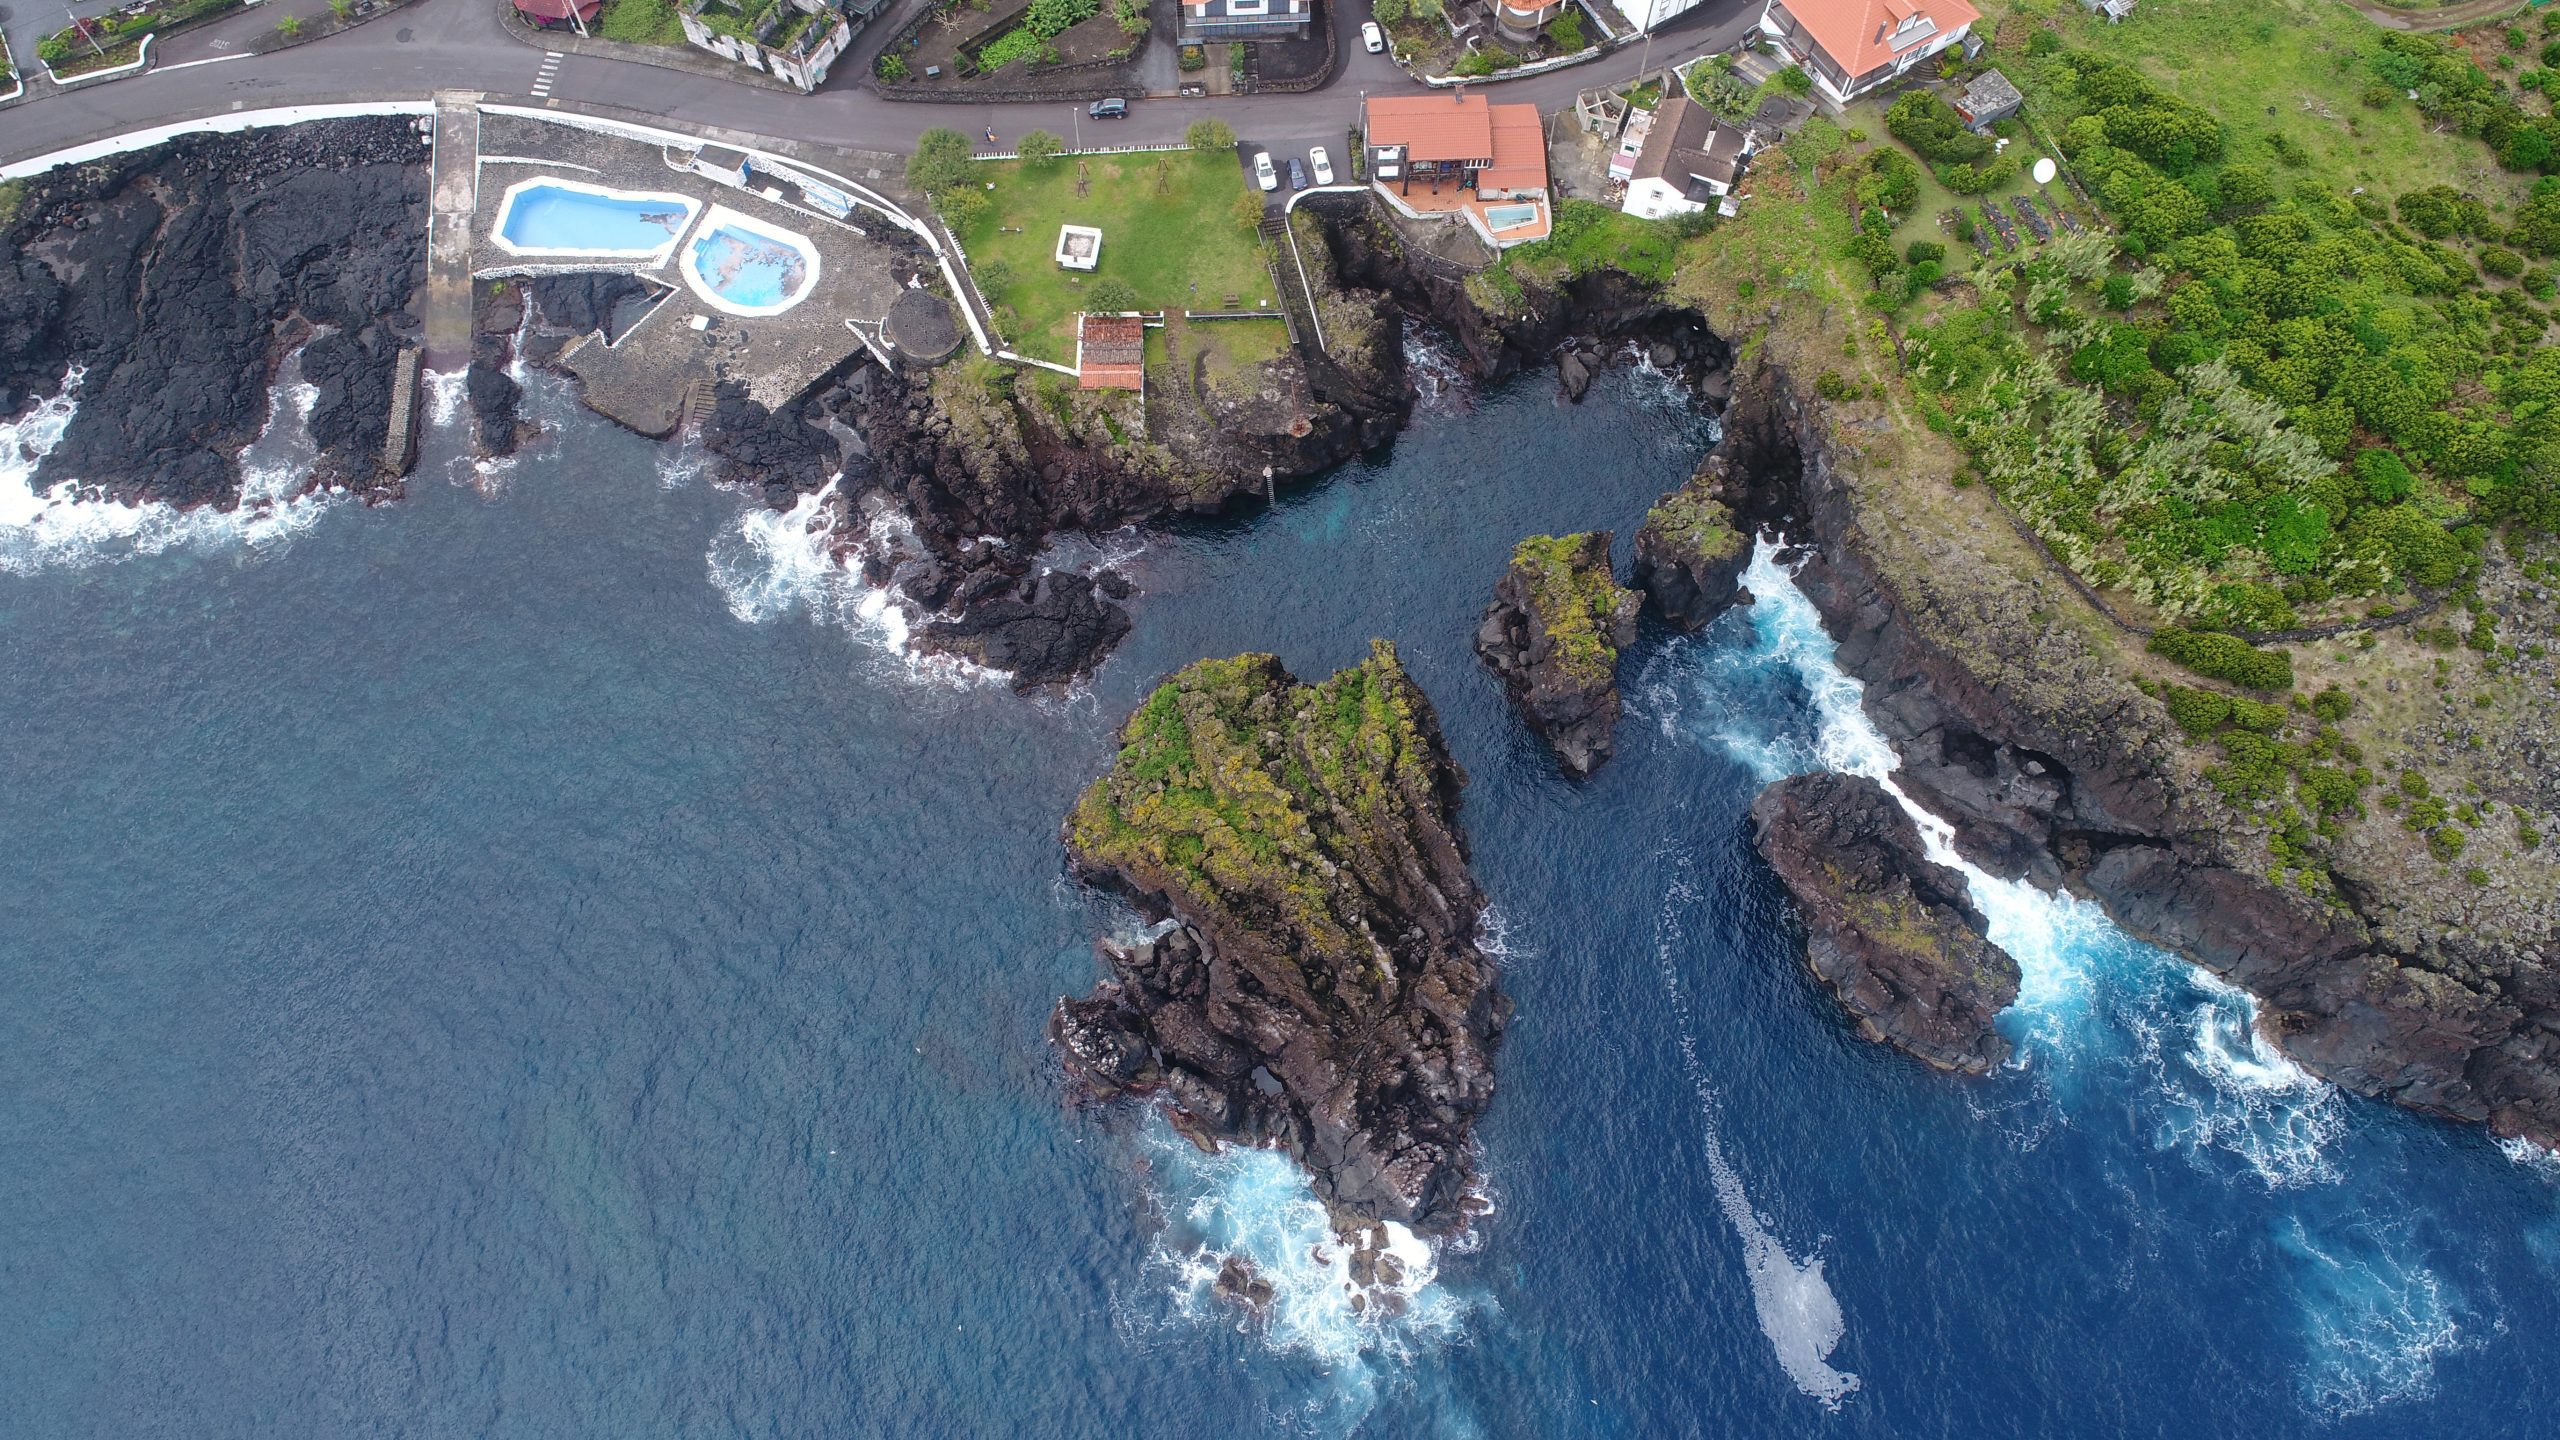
(1235, 347)
(1168, 224)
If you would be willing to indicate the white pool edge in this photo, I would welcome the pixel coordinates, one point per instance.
(720, 216)
(655, 255)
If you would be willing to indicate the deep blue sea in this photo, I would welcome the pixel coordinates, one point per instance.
(534, 960)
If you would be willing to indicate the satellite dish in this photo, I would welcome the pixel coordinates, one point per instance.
(2044, 171)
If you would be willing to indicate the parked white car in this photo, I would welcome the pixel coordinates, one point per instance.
(1263, 174)
(1372, 36)
(1322, 164)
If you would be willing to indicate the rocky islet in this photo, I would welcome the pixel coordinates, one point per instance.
(1558, 620)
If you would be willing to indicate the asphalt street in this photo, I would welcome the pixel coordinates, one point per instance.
(460, 45)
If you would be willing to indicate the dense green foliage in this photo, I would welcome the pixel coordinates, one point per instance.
(2271, 395)
(1043, 22)
(1245, 795)
(1575, 599)
(2224, 657)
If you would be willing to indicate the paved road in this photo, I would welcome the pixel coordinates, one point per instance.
(459, 44)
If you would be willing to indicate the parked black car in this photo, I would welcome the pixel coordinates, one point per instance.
(1108, 110)
(1297, 174)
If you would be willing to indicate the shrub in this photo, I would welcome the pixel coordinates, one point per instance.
(1209, 135)
(1132, 15)
(1194, 57)
(2197, 712)
(1111, 293)
(2501, 261)
(993, 276)
(1040, 147)
(1794, 81)
(892, 67)
(1388, 12)
(2224, 657)
(1920, 250)
(289, 26)
(1567, 33)
(1247, 207)
(1830, 386)
(1477, 63)
(1932, 127)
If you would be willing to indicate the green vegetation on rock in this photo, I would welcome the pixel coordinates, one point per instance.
(1696, 523)
(1575, 599)
(1251, 801)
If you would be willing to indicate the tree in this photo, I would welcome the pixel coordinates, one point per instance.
(1388, 12)
(1248, 208)
(1040, 147)
(1209, 135)
(1111, 295)
(941, 163)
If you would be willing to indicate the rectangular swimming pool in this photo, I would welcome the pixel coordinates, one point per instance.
(564, 218)
(1505, 217)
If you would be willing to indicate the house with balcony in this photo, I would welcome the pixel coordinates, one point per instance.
(1456, 156)
(1521, 20)
(1646, 14)
(1690, 160)
(1209, 22)
(795, 41)
(1850, 47)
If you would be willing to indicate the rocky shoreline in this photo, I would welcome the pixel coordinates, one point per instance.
(168, 276)
(174, 281)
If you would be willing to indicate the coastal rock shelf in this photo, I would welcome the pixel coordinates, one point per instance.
(1553, 634)
(174, 280)
(1689, 557)
(1893, 934)
(1314, 981)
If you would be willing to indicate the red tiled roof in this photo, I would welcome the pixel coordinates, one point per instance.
(1455, 126)
(1111, 352)
(1858, 34)
(1519, 150)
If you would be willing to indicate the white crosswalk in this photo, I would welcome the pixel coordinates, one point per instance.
(549, 72)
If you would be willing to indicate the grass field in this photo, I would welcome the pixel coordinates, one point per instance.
(2294, 67)
(640, 22)
(1168, 222)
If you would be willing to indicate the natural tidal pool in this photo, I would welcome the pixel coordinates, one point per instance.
(532, 960)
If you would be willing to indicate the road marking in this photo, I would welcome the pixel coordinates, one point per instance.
(191, 64)
(549, 72)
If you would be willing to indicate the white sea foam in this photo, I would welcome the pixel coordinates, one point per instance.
(1438, 383)
(770, 563)
(2226, 1088)
(2538, 1159)
(446, 392)
(2376, 1318)
(1790, 1295)
(1256, 1205)
(57, 527)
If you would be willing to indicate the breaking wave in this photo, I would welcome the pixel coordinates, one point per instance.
(1361, 1331)
(56, 527)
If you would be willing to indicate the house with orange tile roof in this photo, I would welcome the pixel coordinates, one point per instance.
(1850, 47)
(1459, 156)
(1111, 352)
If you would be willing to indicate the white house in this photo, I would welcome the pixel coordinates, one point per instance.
(1690, 161)
(1852, 46)
(1646, 14)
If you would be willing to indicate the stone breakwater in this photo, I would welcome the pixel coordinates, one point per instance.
(176, 279)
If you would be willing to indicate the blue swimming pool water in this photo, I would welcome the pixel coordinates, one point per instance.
(1503, 217)
(749, 269)
(553, 217)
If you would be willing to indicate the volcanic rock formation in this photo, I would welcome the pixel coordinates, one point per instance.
(1553, 635)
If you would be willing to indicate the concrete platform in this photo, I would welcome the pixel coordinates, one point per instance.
(670, 360)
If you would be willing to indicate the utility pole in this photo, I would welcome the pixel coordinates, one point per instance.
(83, 27)
(1075, 121)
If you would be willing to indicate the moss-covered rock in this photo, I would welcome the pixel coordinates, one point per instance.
(1690, 555)
(1553, 634)
(1322, 987)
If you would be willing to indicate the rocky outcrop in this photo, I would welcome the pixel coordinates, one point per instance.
(1689, 557)
(1553, 634)
(1892, 933)
(1053, 628)
(174, 280)
(1314, 981)
(489, 385)
(2049, 763)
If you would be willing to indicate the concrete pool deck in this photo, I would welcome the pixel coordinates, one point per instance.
(688, 345)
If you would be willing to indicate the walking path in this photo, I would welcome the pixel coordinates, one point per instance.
(2442, 17)
(455, 194)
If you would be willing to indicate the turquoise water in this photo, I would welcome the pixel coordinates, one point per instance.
(553, 217)
(749, 269)
(1503, 217)
(533, 961)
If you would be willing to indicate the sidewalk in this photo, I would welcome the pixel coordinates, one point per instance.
(250, 32)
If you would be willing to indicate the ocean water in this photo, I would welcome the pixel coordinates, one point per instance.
(538, 959)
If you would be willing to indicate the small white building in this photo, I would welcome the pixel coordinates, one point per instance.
(1690, 160)
(1079, 247)
(1646, 14)
(795, 41)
